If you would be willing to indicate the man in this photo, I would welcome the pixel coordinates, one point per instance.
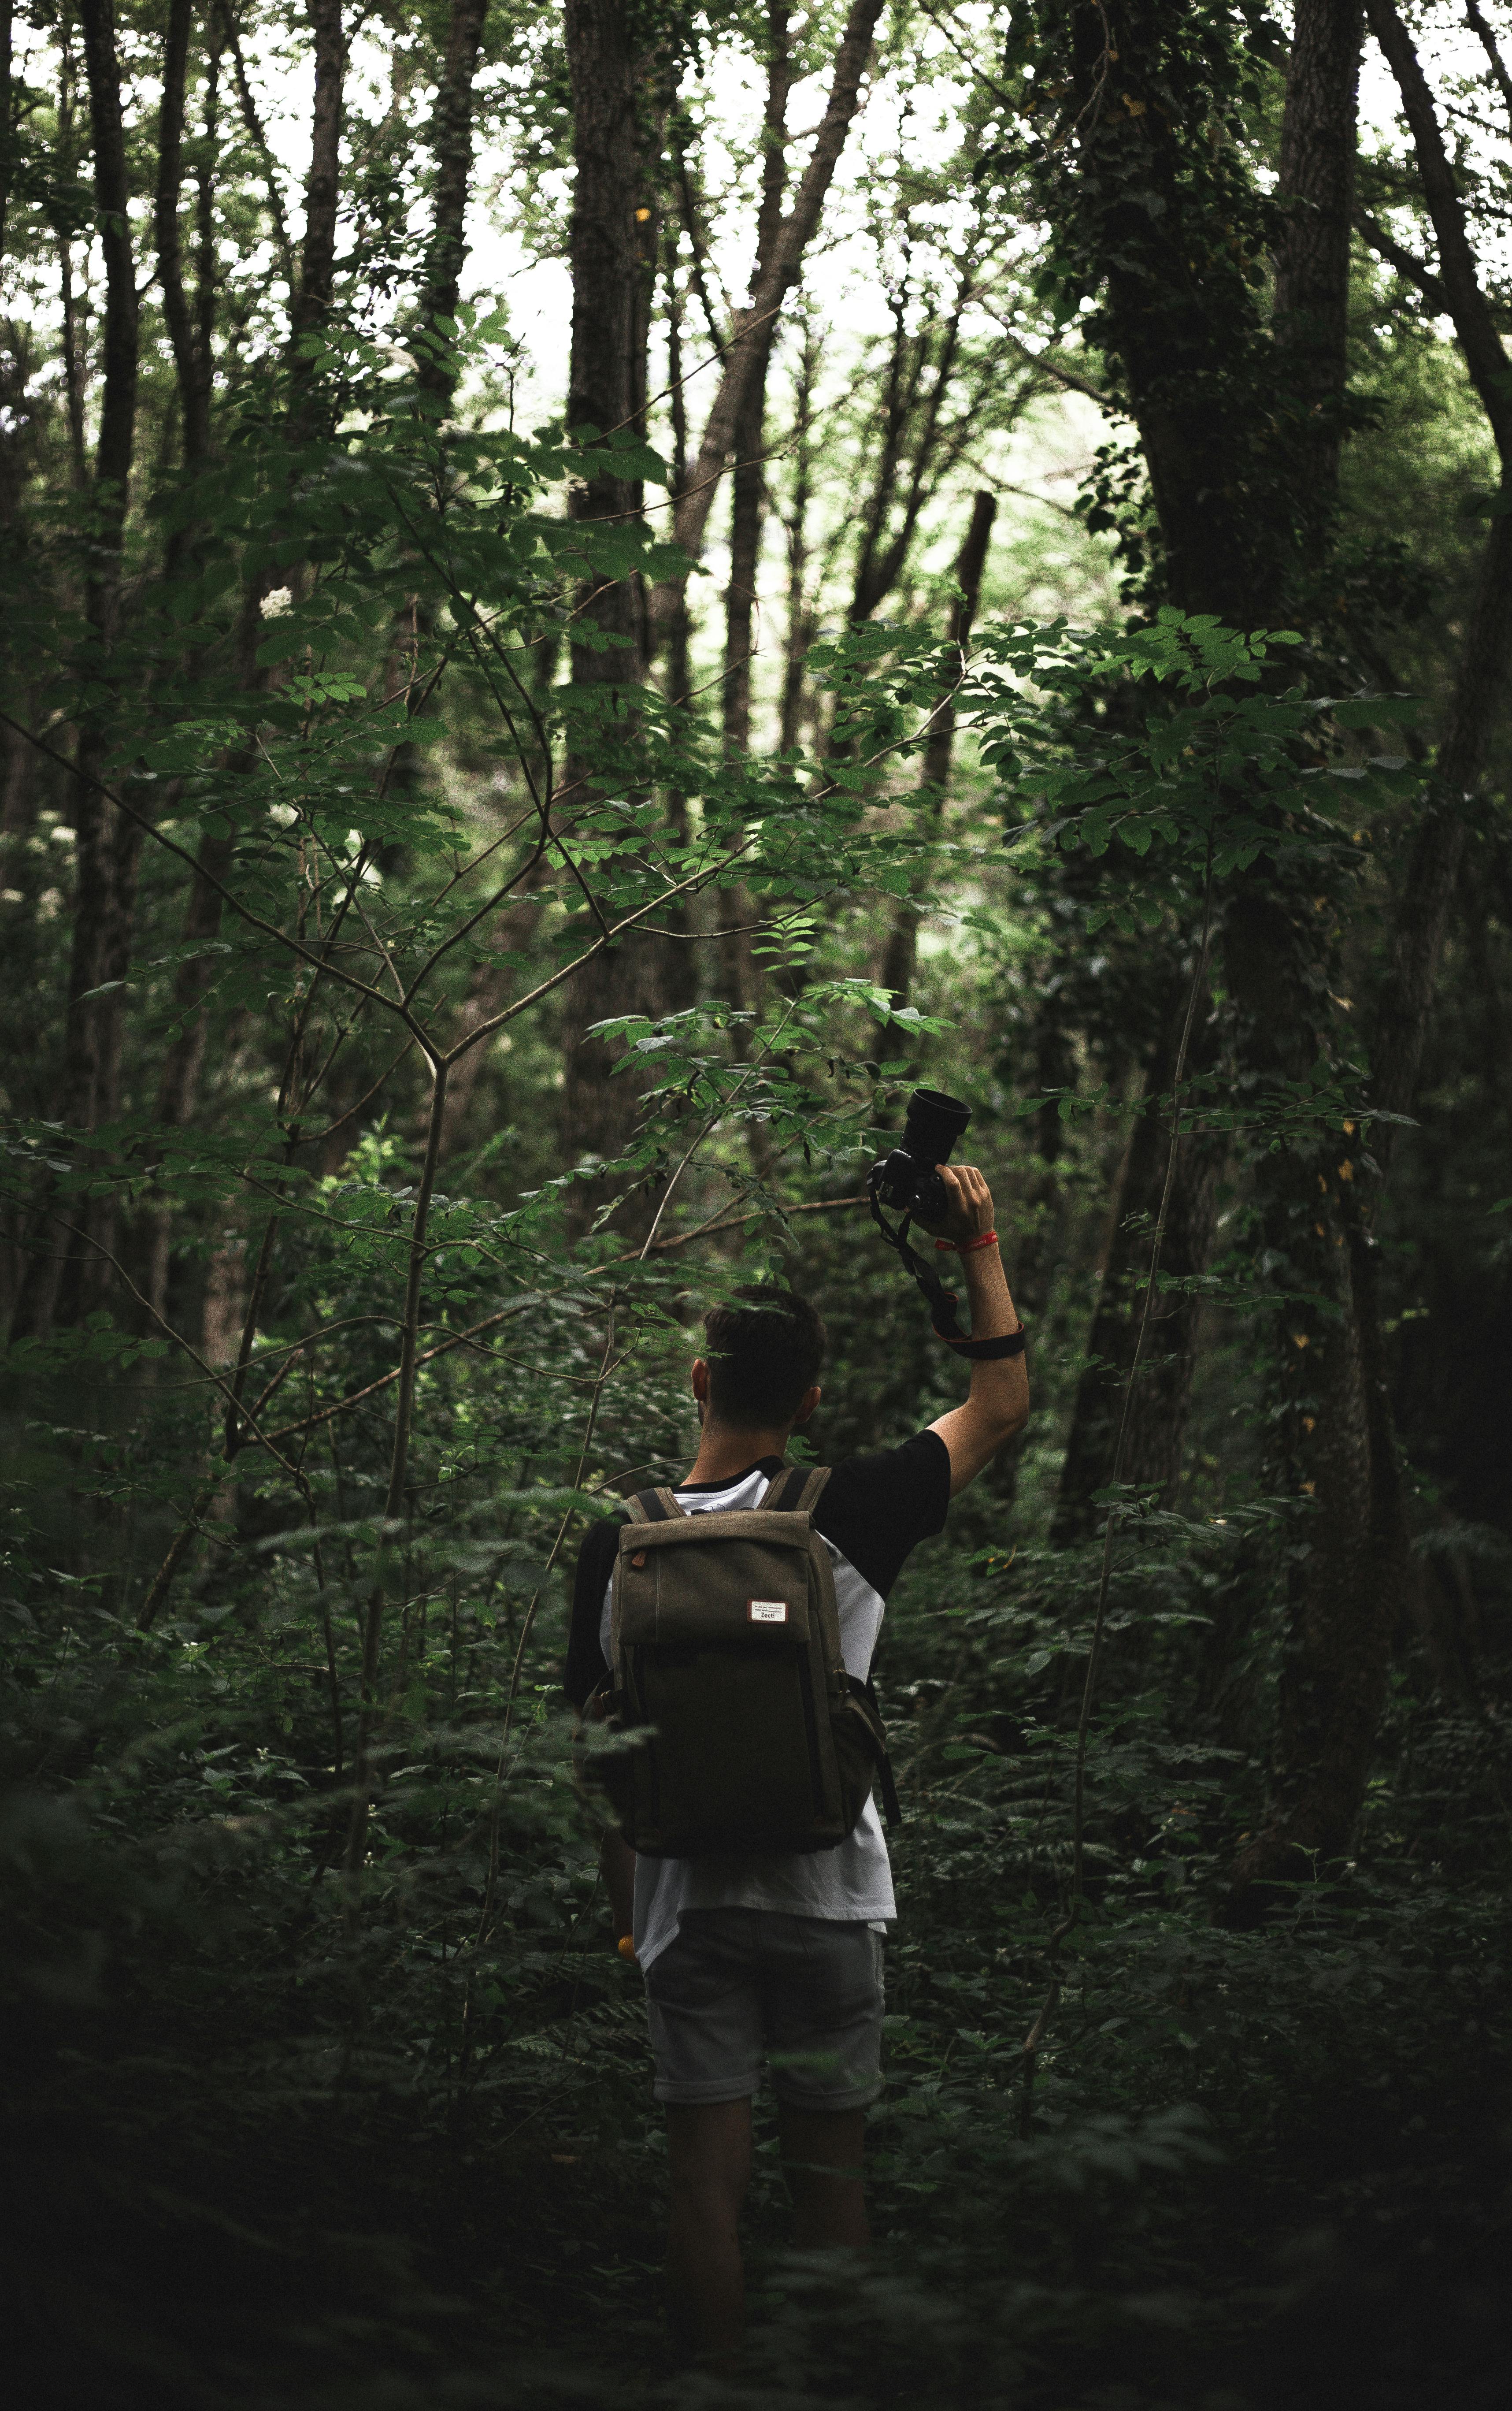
(773, 1952)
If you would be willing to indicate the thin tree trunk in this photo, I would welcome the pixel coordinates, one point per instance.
(800, 619)
(179, 1080)
(207, 276)
(738, 971)
(6, 47)
(451, 143)
(777, 281)
(107, 844)
(73, 367)
(118, 404)
(191, 365)
(679, 962)
(747, 482)
(323, 183)
(606, 390)
(901, 956)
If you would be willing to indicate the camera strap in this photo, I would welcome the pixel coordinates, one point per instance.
(944, 1316)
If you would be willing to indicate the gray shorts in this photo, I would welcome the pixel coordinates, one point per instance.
(741, 1984)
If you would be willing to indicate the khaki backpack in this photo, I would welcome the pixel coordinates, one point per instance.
(742, 1730)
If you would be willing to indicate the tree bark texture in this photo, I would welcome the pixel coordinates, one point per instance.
(748, 480)
(191, 363)
(679, 970)
(113, 193)
(900, 959)
(6, 47)
(801, 626)
(737, 971)
(1310, 316)
(451, 143)
(323, 182)
(1180, 317)
(606, 391)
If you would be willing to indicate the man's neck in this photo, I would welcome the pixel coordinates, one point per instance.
(724, 1450)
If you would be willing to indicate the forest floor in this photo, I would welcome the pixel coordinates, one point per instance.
(184, 2237)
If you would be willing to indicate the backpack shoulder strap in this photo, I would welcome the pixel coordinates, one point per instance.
(795, 1490)
(653, 1507)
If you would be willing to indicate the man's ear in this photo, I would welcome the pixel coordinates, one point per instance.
(700, 1381)
(806, 1404)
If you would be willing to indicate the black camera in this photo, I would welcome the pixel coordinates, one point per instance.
(908, 1179)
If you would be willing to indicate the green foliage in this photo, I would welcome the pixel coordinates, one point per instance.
(295, 1465)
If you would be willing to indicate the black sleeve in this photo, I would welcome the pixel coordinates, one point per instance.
(585, 1669)
(877, 1508)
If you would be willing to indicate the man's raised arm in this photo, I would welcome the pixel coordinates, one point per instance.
(998, 1404)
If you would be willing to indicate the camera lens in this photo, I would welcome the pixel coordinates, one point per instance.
(935, 1122)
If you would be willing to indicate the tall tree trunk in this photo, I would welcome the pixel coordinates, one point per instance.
(679, 955)
(191, 365)
(322, 181)
(1242, 574)
(1175, 315)
(748, 481)
(107, 844)
(607, 390)
(191, 334)
(1355, 1582)
(738, 972)
(801, 627)
(901, 956)
(1310, 316)
(451, 144)
(6, 167)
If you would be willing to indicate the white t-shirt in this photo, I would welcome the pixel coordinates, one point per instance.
(874, 1509)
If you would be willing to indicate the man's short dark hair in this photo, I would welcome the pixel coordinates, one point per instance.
(762, 1355)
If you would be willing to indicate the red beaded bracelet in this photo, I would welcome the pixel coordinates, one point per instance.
(988, 1240)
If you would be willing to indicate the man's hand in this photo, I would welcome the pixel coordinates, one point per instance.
(968, 1209)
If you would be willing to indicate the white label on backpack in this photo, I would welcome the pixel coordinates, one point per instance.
(766, 1610)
